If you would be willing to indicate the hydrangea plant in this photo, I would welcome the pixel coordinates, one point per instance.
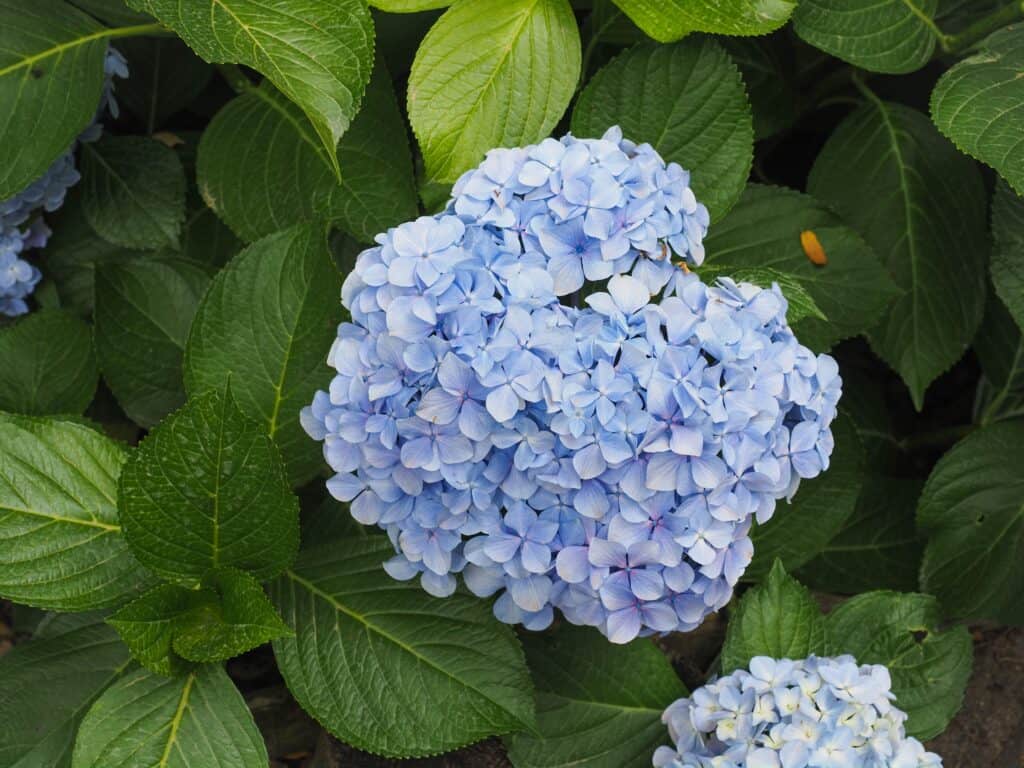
(479, 380)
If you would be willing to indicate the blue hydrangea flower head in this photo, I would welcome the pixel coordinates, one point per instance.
(606, 456)
(779, 713)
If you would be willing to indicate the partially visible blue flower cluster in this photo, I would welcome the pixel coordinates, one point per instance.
(813, 713)
(606, 460)
(20, 228)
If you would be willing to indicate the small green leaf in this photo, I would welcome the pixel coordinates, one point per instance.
(801, 304)
(49, 682)
(976, 104)
(144, 310)
(207, 489)
(48, 364)
(362, 637)
(133, 191)
(688, 101)
(491, 73)
(893, 36)
(778, 618)
(999, 345)
(599, 705)
(198, 720)
(60, 543)
(1008, 253)
(972, 511)
(165, 78)
(929, 668)
(669, 20)
(268, 322)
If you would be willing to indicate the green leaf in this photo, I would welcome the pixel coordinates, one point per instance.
(801, 528)
(801, 304)
(133, 191)
(60, 543)
(319, 53)
(778, 618)
(977, 102)
(769, 72)
(144, 310)
(972, 511)
(688, 101)
(51, 75)
(262, 168)
(268, 322)
(165, 78)
(1008, 253)
(389, 669)
(763, 231)
(198, 720)
(49, 683)
(669, 20)
(599, 705)
(877, 547)
(929, 668)
(207, 489)
(112, 12)
(409, 6)
(48, 364)
(491, 73)
(999, 346)
(921, 205)
(893, 36)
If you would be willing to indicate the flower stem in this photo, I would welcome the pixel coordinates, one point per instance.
(235, 77)
(982, 28)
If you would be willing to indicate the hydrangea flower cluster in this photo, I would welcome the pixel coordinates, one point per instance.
(813, 713)
(20, 228)
(604, 459)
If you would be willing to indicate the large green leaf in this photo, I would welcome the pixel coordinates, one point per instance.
(386, 667)
(207, 489)
(668, 20)
(48, 364)
(892, 36)
(262, 169)
(921, 205)
(144, 310)
(49, 683)
(319, 53)
(688, 101)
(51, 73)
(60, 543)
(599, 705)
(929, 668)
(198, 720)
(491, 73)
(978, 104)
(852, 289)
(972, 511)
(268, 322)
(769, 72)
(1008, 253)
(165, 77)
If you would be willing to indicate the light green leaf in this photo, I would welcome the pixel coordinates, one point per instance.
(978, 102)
(929, 668)
(778, 618)
(769, 72)
(669, 20)
(1008, 253)
(599, 705)
(262, 168)
(893, 36)
(268, 322)
(49, 683)
(491, 73)
(48, 364)
(165, 78)
(319, 53)
(409, 6)
(133, 191)
(51, 74)
(144, 310)
(921, 205)
(763, 231)
(389, 669)
(801, 304)
(972, 511)
(207, 489)
(688, 101)
(198, 720)
(801, 528)
(60, 543)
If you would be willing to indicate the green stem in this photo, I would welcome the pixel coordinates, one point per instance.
(235, 77)
(136, 30)
(982, 28)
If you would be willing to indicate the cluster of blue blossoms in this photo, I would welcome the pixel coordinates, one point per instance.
(604, 459)
(818, 712)
(21, 229)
